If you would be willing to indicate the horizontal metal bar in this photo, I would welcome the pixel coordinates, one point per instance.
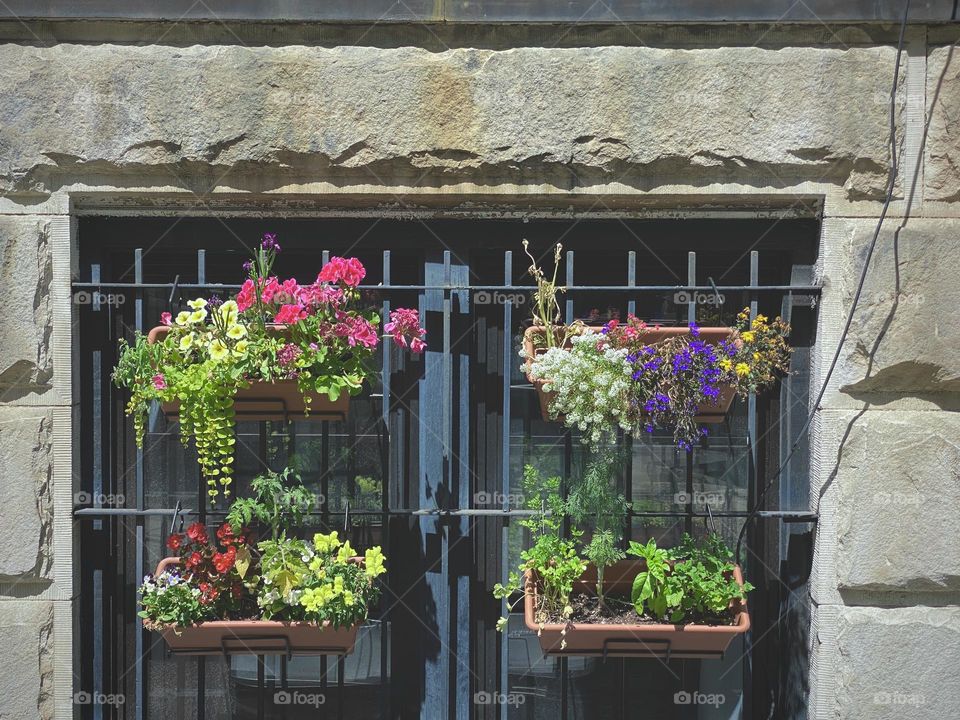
(803, 289)
(101, 512)
(783, 515)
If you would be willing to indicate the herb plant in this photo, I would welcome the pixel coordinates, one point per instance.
(553, 560)
(691, 583)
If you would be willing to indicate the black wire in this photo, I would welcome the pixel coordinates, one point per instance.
(891, 181)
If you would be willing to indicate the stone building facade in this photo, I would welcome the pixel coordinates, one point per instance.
(160, 118)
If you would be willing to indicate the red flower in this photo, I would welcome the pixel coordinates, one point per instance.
(197, 533)
(194, 559)
(224, 561)
(175, 542)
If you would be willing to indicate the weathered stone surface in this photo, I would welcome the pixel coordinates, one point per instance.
(26, 319)
(906, 330)
(898, 480)
(942, 151)
(25, 493)
(898, 664)
(26, 683)
(259, 118)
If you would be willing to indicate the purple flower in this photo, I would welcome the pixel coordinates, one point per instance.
(269, 242)
(694, 329)
(248, 266)
(214, 302)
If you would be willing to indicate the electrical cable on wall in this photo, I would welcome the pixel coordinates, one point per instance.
(891, 182)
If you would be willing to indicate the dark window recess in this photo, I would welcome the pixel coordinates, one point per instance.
(428, 438)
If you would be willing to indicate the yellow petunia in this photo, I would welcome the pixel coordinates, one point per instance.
(229, 311)
(742, 369)
(218, 350)
(198, 316)
(236, 332)
(186, 342)
(197, 304)
(183, 317)
(241, 348)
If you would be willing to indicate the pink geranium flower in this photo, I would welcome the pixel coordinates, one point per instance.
(289, 314)
(159, 382)
(348, 271)
(405, 328)
(357, 331)
(166, 318)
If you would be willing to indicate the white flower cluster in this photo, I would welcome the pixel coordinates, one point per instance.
(591, 385)
(158, 585)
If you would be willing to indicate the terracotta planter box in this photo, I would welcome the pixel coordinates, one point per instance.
(706, 412)
(660, 640)
(277, 401)
(255, 637)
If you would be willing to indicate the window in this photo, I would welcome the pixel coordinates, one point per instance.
(425, 459)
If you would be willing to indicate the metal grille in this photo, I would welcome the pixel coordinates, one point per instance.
(445, 429)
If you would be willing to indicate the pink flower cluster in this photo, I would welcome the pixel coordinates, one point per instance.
(356, 329)
(348, 271)
(405, 327)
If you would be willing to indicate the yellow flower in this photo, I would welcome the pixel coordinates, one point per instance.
(373, 562)
(743, 369)
(236, 332)
(756, 357)
(198, 316)
(346, 552)
(347, 598)
(228, 311)
(241, 348)
(326, 543)
(218, 351)
(747, 336)
(726, 364)
(186, 342)
(197, 304)
(759, 321)
(183, 317)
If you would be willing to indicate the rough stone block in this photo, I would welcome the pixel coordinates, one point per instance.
(942, 150)
(259, 118)
(26, 318)
(25, 493)
(26, 683)
(906, 329)
(898, 486)
(898, 664)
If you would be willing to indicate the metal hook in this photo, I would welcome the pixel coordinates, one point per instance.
(173, 521)
(173, 290)
(346, 517)
(716, 293)
(713, 523)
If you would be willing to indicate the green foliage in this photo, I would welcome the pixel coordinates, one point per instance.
(594, 498)
(280, 502)
(553, 559)
(168, 599)
(693, 582)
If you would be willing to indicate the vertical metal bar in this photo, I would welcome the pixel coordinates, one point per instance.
(628, 439)
(752, 400)
(385, 480)
(563, 665)
(141, 505)
(447, 370)
(202, 506)
(341, 666)
(261, 681)
(97, 492)
(631, 281)
(691, 317)
(509, 360)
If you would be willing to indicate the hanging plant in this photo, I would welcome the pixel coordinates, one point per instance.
(273, 331)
